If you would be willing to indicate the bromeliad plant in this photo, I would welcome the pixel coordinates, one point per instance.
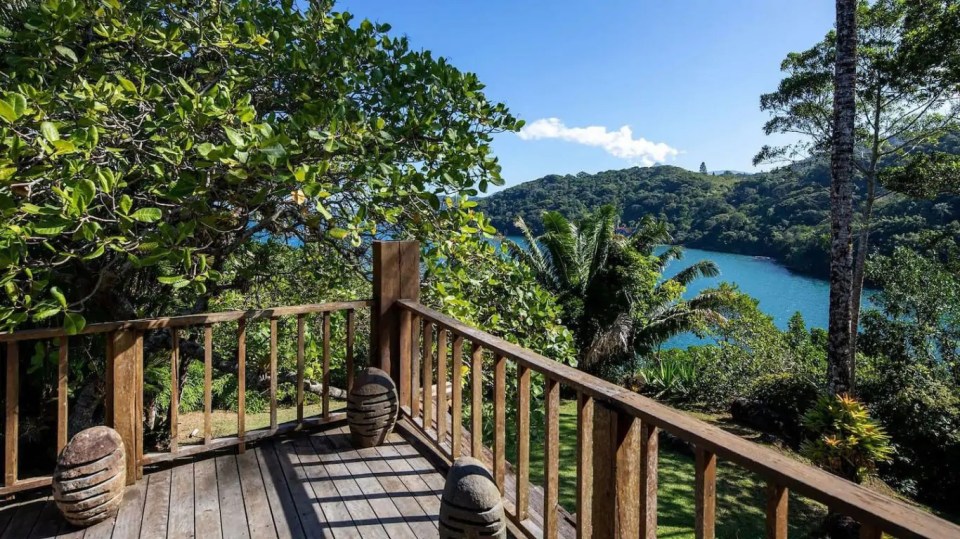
(844, 439)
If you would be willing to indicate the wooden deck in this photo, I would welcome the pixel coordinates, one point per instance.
(313, 485)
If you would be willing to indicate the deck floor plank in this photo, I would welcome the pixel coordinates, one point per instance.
(233, 515)
(130, 516)
(48, 522)
(24, 519)
(314, 477)
(206, 499)
(181, 503)
(427, 497)
(310, 511)
(379, 515)
(255, 504)
(156, 508)
(286, 520)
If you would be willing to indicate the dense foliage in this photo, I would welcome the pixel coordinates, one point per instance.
(781, 214)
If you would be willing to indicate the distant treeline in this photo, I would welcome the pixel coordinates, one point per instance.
(784, 214)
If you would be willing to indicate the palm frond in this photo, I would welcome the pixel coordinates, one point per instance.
(704, 268)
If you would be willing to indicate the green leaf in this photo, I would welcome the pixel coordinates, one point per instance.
(49, 131)
(127, 84)
(46, 313)
(74, 323)
(97, 253)
(125, 204)
(7, 112)
(235, 138)
(58, 295)
(338, 233)
(170, 279)
(67, 53)
(147, 215)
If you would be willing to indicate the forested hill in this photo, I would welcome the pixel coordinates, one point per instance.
(783, 214)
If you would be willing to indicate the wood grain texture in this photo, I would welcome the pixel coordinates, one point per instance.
(523, 443)
(207, 384)
(705, 493)
(126, 347)
(406, 358)
(273, 374)
(627, 454)
(62, 393)
(476, 401)
(241, 383)
(174, 389)
(11, 433)
(326, 365)
(441, 385)
(776, 523)
(584, 466)
(301, 345)
(351, 337)
(416, 330)
(427, 360)
(499, 421)
(551, 453)
(456, 412)
(649, 457)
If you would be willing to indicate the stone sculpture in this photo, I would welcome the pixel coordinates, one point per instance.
(471, 505)
(372, 408)
(90, 476)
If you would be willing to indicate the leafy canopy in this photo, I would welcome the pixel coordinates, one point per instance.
(143, 143)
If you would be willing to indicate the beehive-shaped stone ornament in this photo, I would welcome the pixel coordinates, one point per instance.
(372, 408)
(90, 476)
(471, 506)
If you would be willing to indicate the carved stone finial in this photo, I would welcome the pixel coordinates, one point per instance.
(90, 476)
(471, 505)
(372, 408)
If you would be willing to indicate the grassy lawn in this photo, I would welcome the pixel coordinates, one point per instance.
(740, 494)
(224, 422)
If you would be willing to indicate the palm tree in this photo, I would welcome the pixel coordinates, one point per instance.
(840, 345)
(611, 285)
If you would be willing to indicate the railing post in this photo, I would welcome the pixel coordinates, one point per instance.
(125, 378)
(396, 275)
(616, 473)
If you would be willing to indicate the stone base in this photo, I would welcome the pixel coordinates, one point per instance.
(372, 408)
(471, 505)
(90, 476)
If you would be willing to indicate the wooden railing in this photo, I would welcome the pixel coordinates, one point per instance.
(124, 382)
(617, 433)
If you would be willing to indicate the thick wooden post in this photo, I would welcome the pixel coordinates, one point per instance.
(125, 364)
(616, 473)
(396, 275)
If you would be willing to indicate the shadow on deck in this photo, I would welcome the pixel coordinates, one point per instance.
(314, 485)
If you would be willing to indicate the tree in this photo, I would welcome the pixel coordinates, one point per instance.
(610, 284)
(905, 101)
(703, 167)
(142, 145)
(839, 348)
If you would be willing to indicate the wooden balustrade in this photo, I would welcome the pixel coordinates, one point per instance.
(617, 433)
(124, 381)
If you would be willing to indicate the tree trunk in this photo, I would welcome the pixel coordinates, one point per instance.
(839, 370)
(859, 272)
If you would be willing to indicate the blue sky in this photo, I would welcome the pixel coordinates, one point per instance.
(685, 76)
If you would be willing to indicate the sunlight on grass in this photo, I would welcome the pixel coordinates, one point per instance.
(224, 422)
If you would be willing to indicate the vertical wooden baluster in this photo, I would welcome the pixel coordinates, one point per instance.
(351, 327)
(441, 386)
(11, 435)
(777, 497)
(456, 378)
(705, 493)
(627, 455)
(62, 395)
(138, 410)
(415, 330)
(300, 351)
(207, 384)
(523, 442)
(499, 421)
(649, 457)
(476, 402)
(551, 459)
(584, 466)
(406, 335)
(427, 376)
(326, 365)
(868, 531)
(174, 390)
(242, 383)
(273, 374)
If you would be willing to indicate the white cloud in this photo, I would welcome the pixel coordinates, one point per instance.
(619, 143)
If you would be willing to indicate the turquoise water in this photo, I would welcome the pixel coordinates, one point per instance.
(779, 291)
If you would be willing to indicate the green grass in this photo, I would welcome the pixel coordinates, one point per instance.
(740, 494)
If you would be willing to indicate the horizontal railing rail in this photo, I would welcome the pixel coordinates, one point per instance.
(627, 459)
(124, 382)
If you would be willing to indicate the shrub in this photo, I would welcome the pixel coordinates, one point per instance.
(844, 439)
(672, 378)
(776, 403)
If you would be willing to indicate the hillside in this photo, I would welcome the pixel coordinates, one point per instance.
(782, 214)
